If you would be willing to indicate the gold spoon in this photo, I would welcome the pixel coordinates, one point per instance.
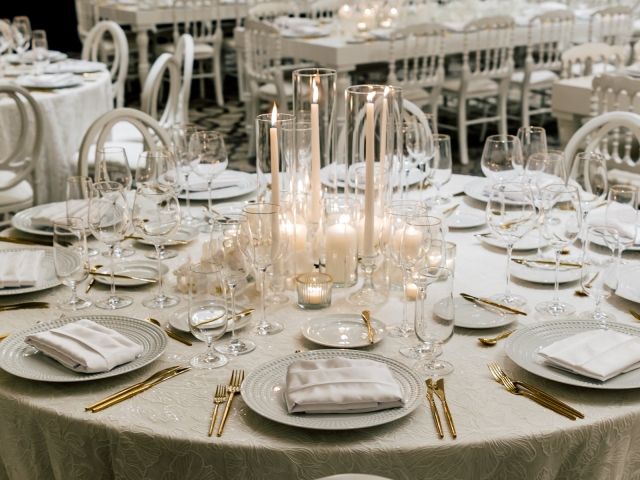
(492, 341)
(169, 332)
(93, 279)
(581, 292)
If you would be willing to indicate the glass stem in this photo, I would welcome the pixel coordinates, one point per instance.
(405, 303)
(556, 294)
(210, 351)
(113, 280)
(263, 313)
(210, 206)
(232, 291)
(438, 198)
(507, 292)
(368, 266)
(186, 180)
(74, 296)
(159, 255)
(539, 243)
(419, 308)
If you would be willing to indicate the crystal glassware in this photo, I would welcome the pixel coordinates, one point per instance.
(109, 220)
(431, 128)
(622, 214)
(41, 51)
(21, 30)
(207, 312)
(314, 290)
(511, 214)
(532, 140)
(439, 168)
(156, 217)
(180, 135)
(78, 196)
(70, 259)
(414, 153)
(502, 159)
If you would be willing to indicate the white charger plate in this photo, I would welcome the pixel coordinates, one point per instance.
(528, 242)
(134, 268)
(22, 220)
(46, 276)
(475, 189)
(245, 183)
(628, 284)
(545, 274)
(263, 392)
(54, 56)
(472, 315)
(465, 219)
(524, 344)
(15, 356)
(30, 82)
(342, 331)
(179, 320)
(184, 234)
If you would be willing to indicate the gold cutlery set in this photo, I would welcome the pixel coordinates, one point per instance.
(486, 301)
(237, 377)
(437, 388)
(24, 241)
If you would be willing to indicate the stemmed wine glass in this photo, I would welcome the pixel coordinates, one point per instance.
(40, 47)
(511, 214)
(112, 165)
(434, 323)
(560, 222)
(439, 168)
(431, 128)
(109, 221)
(415, 148)
(21, 30)
(532, 140)
(6, 39)
(156, 216)
(263, 241)
(208, 159)
(78, 196)
(599, 277)
(622, 214)
(70, 259)
(180, 135)
(225, 250)
(502, 159)
(207, 312)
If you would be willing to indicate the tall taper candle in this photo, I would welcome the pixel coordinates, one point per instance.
(275, 156)
(383, 149)
(369, 188)
(315, 157)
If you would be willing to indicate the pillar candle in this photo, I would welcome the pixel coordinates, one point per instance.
(341, 250)
(275, 164)
(383, 148)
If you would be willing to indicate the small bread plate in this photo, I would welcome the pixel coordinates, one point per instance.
(132, 268)
(528, 242)
(178, 319)
(477, 316)
(342, 331)
(184, 234)
(543, 273)
(465, 219)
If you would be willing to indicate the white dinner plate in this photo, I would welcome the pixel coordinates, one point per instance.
(465, 219)
(28, 57)
(134, 268)
(524, 344)
(179, 320)
(30, 81)
(342, 331)
(244, 183)
(184, 234)
(22, 360)
(628, 283)
(540, 273)
(598, 240)
(76, 66)
(528, 242)
(22, 220)
(327, 176)
(263, 392)
(46, 276)
(476, 189)
(473, 315)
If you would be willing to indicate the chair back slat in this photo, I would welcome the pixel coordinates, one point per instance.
(579, 61)
(549, 35)
(488, 47)
(611, 25)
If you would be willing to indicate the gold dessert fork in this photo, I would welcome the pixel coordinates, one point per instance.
(219, 397)
(237, 376)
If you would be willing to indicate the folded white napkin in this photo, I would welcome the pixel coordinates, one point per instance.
(597, 218)
(75, 66)
(199, 184)
(599, 354)
(53, 211)
(341, 385)
(48, 80)
(30, 55)
(86, 347)
(20, 269)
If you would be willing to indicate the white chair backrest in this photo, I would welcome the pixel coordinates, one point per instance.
(578, 61)
(152, 87)
(325, 9)
(204, 30)
(416, 56)
(183, 56)
(99, 131)
(269, 11)
(549, 35)
(86, 11)
(22, 159)
(91, 49)
(488, 48)
(611, 25)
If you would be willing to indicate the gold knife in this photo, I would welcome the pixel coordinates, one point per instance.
(366, 316)
(24, 241)
(439, 391)
(24, 305)
(471, 298)
(140, 389)
(523, 261)
(434, 410)
(449, 211)
(3, 336)
(243, 313)
(170, 333)
(635, 314)
(124, 277)
(90, 284)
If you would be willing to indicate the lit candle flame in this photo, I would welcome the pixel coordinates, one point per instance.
(315, 92)
(274, 115)
(344, 218)
(370, 97)
(345, 8)
(386, 91)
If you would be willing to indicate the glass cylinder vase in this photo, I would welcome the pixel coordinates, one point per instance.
(274, 154)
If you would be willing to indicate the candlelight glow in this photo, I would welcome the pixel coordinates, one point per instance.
(344, 218)
(274, 115)
(386, 91)
(345, 8)
(367, 11)
(394, 11)
(315, 92)
(371, 96)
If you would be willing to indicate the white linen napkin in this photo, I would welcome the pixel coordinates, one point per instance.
(598, 354)
(20, 269)
(199, 184)
(597, 218)
(341, 385)
(47, 215)
(48, 80)
(86, 347)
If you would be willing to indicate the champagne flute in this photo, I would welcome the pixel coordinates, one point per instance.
(262, 242)
(599, 277)
(439, 168)
(511, 214)
(156, 216)
(225, 250)
(109, 221)
(560, 221)
(180, 135)
(502, 159)
(622, 214)
(70, 259)
(21, 29)
(415, 148)
(209, 159)
(533, 140)
(78, 196)
(207, 312)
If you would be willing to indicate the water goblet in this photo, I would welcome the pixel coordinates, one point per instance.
(415, 149)
(70, 259)
(439, 168)
(502, 158)
(41, 49)
(180, 135)
(21, 30)
(532, 140)
(622, 214)
(78, 196)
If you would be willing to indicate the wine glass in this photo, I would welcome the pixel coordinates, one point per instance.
(532, 140)
(109, 221)
(70, 259)
(414, 148)
(542, 169)
(180, 135)
(261, 241)
(502, 158)
(622, 214)
(78, 196)
(6, 39)
(439, 168)
(431, 127)
(225, 250)
(434, 324)
(40, 48)
(21, 30)
(599, 265)
(208, 159)
(156, 216)
(560, 222)
(511, 214)
(112, 165)
(207, 312)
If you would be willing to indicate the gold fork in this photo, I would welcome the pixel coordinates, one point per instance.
(219, 397)
(237, 376)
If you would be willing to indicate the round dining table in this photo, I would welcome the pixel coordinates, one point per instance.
(161, 434)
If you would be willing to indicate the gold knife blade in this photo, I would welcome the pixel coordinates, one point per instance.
(124, 277)
(471, 298)
(523, 261)
(635, 314)
(3, 336)
(434, 410)
(24, 241)
(439, 391)
(24, 305)
(366, 316)
(243, 313)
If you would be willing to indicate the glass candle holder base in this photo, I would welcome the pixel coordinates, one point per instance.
(314, 290)
(368, 295)
(555, 309)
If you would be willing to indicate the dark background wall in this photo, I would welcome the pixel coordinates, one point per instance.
(57, 17)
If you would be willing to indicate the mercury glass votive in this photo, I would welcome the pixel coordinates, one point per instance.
(314, 290)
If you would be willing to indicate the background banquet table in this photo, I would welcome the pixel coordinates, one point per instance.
(67, 115)
(162, 433)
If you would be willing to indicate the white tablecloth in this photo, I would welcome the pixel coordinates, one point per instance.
(68, 113)
(162, 433)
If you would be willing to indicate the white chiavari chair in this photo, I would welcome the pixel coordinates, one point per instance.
(270, 11)
(487, 65)
(16, 168)
(325, 10)
(611, 25)
(592, 59)
(86, 12)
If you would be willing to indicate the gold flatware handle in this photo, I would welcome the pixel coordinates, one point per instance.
(224, 415)
(124, 277)
(26, 305)
(447, 413)
(121, 398)
(24, 241)
(450, 210)
(243, 313)
(213, 419)
(436, 417)
(549, 398)
(366, 316)
(3, 336)
(177, 242)
(548, 405)
(471, 298)
(89, 285)
(177, 337)
(523, 261)
(635, 314)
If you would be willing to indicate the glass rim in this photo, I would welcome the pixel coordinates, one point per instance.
(623, 187)
(217, 268)
(276, 209)
(159, 152)
(106, 186)
(156, 186)
(501, 138)
(360, 89)
(602, 228)
(388, 209)
(348, 201)
(305, 278)
(437, 269)
(326, 72)
(532, 128)
(76, 221)
(207, 133)
(520, 185)
(556, 188)
(281, 118)
(412, 220)
(111, 150)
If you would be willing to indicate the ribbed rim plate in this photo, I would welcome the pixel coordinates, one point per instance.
(263, 392)
(46, 277)
(16, 357)
(247, 183)
(524, 344)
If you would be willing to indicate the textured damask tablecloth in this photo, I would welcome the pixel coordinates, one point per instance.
(162, 434)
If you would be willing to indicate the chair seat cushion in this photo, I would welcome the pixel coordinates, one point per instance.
(597, 68)
(19, 193)
(125, 132)
(200, 50)
(539, 76)
(479, 85)
(270, 89)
